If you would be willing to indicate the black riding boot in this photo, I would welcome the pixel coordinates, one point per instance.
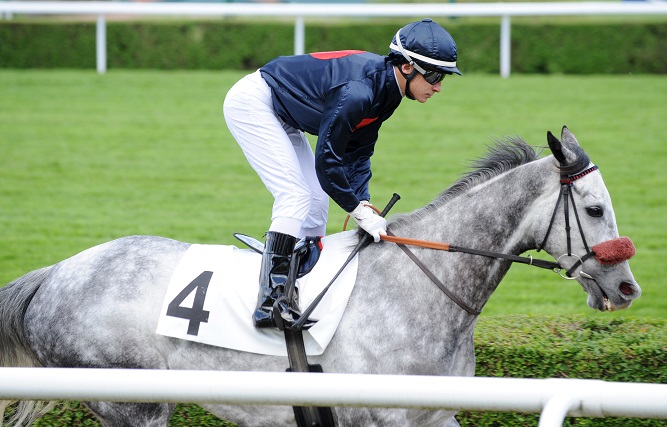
(273, 275)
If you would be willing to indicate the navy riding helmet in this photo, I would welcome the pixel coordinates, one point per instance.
(428, 47)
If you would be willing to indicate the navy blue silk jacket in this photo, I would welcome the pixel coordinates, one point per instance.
(342, 97)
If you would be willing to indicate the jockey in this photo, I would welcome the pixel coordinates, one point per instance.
(343, 98)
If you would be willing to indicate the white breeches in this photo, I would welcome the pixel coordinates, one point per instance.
(282, 157)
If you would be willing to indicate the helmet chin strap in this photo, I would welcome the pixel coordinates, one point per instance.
(408, 78)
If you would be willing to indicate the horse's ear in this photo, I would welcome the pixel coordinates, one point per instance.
(565, 149)
(568, 138)
(556, 147)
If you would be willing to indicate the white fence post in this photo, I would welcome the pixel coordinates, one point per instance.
(101, 44)
(505, 46)
(299, 35)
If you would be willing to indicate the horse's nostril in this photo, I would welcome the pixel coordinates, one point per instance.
(626, 288)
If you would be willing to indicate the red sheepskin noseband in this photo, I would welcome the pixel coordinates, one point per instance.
(614, 251)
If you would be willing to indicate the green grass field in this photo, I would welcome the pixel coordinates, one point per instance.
(86, 158)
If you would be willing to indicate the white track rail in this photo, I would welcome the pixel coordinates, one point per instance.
(553, 398)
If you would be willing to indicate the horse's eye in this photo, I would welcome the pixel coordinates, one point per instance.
(594, 211)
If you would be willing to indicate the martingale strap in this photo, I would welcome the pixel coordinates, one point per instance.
(458, 301)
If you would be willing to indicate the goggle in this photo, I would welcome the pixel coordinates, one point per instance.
(431, 77)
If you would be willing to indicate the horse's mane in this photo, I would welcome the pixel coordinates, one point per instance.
(503, 154)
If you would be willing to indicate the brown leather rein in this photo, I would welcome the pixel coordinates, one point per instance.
(403, 243)
(390, 237)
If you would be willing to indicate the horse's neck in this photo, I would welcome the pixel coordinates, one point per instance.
(497, 215)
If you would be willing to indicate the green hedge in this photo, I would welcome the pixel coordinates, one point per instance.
(586, 48)
(616, 349)
(620, 349)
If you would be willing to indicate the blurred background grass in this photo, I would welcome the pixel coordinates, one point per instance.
(86, 158)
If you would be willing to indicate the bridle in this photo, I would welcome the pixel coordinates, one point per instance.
(566, 182)
(566, 195)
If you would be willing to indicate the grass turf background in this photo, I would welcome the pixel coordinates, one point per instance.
(87, 158)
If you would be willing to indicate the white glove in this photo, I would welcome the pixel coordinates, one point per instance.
(368, 220)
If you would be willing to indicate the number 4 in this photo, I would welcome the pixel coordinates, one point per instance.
(196, 314)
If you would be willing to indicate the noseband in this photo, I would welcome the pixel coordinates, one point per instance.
(567, 196)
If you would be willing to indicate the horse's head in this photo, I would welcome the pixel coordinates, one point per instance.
(581, 232)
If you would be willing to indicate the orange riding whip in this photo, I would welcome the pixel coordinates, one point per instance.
(415, 242)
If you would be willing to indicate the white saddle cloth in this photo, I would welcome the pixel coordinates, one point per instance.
(230, 297)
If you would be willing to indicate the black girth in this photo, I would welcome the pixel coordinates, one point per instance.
(306, 416)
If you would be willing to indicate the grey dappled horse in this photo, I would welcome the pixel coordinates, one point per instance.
(100, 308)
